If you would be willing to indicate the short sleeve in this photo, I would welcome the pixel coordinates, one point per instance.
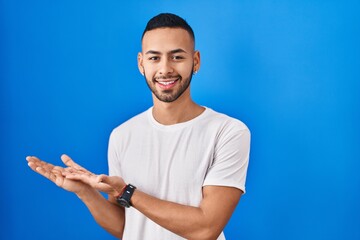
(231, 159)
(113, 158)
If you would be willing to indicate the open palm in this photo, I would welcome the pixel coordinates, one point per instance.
(56, 173)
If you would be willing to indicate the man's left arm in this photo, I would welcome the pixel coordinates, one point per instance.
(204, 222)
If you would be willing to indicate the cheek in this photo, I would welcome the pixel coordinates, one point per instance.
(148, 71)
(186, 69)
(149, 77)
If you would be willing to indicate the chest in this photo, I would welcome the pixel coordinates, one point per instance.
(168, 165)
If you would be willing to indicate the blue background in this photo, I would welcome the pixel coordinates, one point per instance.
(288, 69)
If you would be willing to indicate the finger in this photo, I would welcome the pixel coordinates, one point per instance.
(31, 164)
(85, 178)
(70, 163)
(116, 182)
(29, 159)
(47, 174)
(42, 168)
(36, 161)
(104, 187)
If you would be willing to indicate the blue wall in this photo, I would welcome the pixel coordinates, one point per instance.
(288, 69)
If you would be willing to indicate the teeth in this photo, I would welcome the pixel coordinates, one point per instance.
(166, 83)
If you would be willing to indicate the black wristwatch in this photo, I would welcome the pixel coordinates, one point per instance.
(124, 199)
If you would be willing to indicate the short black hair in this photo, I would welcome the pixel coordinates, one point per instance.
(168, 20)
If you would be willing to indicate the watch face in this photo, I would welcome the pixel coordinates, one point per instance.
(123, 202)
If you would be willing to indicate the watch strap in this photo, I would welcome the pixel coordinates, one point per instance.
(124, 199)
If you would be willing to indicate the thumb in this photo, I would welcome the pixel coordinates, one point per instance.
(114, 181)
(70, 163)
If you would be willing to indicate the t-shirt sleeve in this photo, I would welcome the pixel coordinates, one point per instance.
(113, 159)
(231, 159)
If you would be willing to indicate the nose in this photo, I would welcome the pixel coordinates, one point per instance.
(165, 67)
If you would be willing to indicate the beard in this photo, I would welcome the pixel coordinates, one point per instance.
(169, 95)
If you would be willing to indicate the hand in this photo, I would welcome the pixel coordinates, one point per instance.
(55, 173)
(117, 183)
(111, 185)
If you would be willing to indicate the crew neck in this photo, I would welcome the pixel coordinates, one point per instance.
(175, 126)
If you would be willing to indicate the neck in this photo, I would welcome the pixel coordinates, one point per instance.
(181, 110)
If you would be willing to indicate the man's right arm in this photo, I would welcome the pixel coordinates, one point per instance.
(107, 213)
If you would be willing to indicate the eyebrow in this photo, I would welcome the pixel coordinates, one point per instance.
(178, 50)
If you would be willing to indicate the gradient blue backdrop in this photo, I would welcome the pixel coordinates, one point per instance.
(288, 69)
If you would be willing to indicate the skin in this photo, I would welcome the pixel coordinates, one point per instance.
(167, 62)
(168, 53)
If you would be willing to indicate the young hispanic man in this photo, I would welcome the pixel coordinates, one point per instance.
(178, 169)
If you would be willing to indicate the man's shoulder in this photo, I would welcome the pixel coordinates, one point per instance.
(225, 121)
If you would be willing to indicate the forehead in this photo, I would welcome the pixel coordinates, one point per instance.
(167, 39)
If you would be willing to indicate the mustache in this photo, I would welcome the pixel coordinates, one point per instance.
(166, 77)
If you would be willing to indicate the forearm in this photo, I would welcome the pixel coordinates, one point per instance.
(189, 222)
(108, 215)
(183, 220)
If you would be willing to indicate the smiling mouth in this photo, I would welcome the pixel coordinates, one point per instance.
(166, 83)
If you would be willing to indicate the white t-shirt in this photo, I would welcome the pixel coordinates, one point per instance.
(174, 162)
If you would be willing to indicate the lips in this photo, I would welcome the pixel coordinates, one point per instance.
(166, 83)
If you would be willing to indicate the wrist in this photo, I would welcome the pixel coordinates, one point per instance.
(121, 192)
(134, 198)
(124, 198)
(85, 192)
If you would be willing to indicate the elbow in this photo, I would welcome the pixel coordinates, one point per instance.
(116, 232)
(118, 235)
(206, 233)
(210, 235)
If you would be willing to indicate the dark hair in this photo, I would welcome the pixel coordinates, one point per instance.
(168, 20)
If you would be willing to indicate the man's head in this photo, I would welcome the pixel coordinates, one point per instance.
(168, 58)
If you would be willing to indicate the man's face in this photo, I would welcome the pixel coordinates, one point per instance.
(167, 61)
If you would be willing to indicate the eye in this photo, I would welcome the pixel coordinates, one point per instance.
(154, 58)
(177, 57)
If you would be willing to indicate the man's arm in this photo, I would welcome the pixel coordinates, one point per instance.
(203, 222)
(107, 214)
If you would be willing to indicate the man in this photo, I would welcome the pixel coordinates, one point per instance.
(176, 170)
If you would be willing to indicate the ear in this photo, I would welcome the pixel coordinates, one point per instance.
(140, 63)
(196, 61)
